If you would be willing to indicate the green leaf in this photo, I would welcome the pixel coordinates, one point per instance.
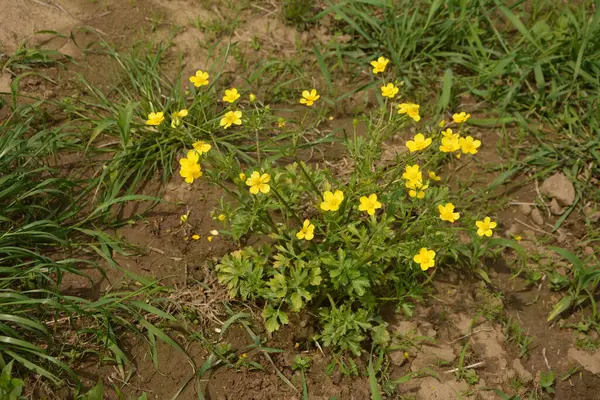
(359, 285)
(560, 307)
(444, 100)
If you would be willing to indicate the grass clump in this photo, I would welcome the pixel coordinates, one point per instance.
(533, 60)
(47, 233)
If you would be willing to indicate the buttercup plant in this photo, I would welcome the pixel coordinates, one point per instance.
(344, 244)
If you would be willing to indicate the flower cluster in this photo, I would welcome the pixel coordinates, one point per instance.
(347, 238)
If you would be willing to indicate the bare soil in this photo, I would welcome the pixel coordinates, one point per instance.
(460, 311)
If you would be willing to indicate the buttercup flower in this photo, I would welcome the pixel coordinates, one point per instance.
(389, 90)
(252, 97)
(309, 98)
(201, 146)
(231, 95)
(369, 204)
(447, 213)
(450, 144)
(176, 117)
(231, 118)
(259, 183)
(332, 201)
(484, 228)
(448, 133)
(307, 232)
(412, 173)
(379, 64)
(183, 218)
(190, 169)
(242, 177)
(221, 217)
(433, 176)
(461, 117)
(155, 119)
(199, 79)
(281, 122)
(442, 124)
(196, 237)
(425, 258)
(411, 109)
(468, 145)
(419, 142)
(416, 189)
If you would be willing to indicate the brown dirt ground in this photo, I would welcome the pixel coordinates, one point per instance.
(433, 339)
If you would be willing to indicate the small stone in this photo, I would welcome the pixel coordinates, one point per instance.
(559, 187)
(526, 376)
(589, 361)
(536, 217)
(405, 328)
(426, 329)
(397, 357)
(555, 208)
(5, 81)
(525, 209)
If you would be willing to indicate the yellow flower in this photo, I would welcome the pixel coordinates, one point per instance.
(242, 177)
(369, 204)
(190, 169)
(411, 109)
(231, 118)
(332, 201)
(196, 237)
(442, 124)
(419, 142)
(307, 232)
(484, 228)
(412, 173)
(259, 183)
(155, 119)
(447, 213)
(176, 117)
(281, 122)
(389, 90)
(416, 189)
(221, 217)
(209, 238)
(379, 64)
(231, 95)
(448, 134)
(468, 145)
(518, 238)
(425, 258)
(433, 176)
(309, 98)
(201, 146)
(184, 218)
(450, 144)
(461, 117)
(199, 79)
(252, 97)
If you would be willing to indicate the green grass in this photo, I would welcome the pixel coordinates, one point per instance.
(532, 60)
(47, 232)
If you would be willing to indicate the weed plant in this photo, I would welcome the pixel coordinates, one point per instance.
(345, 242)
